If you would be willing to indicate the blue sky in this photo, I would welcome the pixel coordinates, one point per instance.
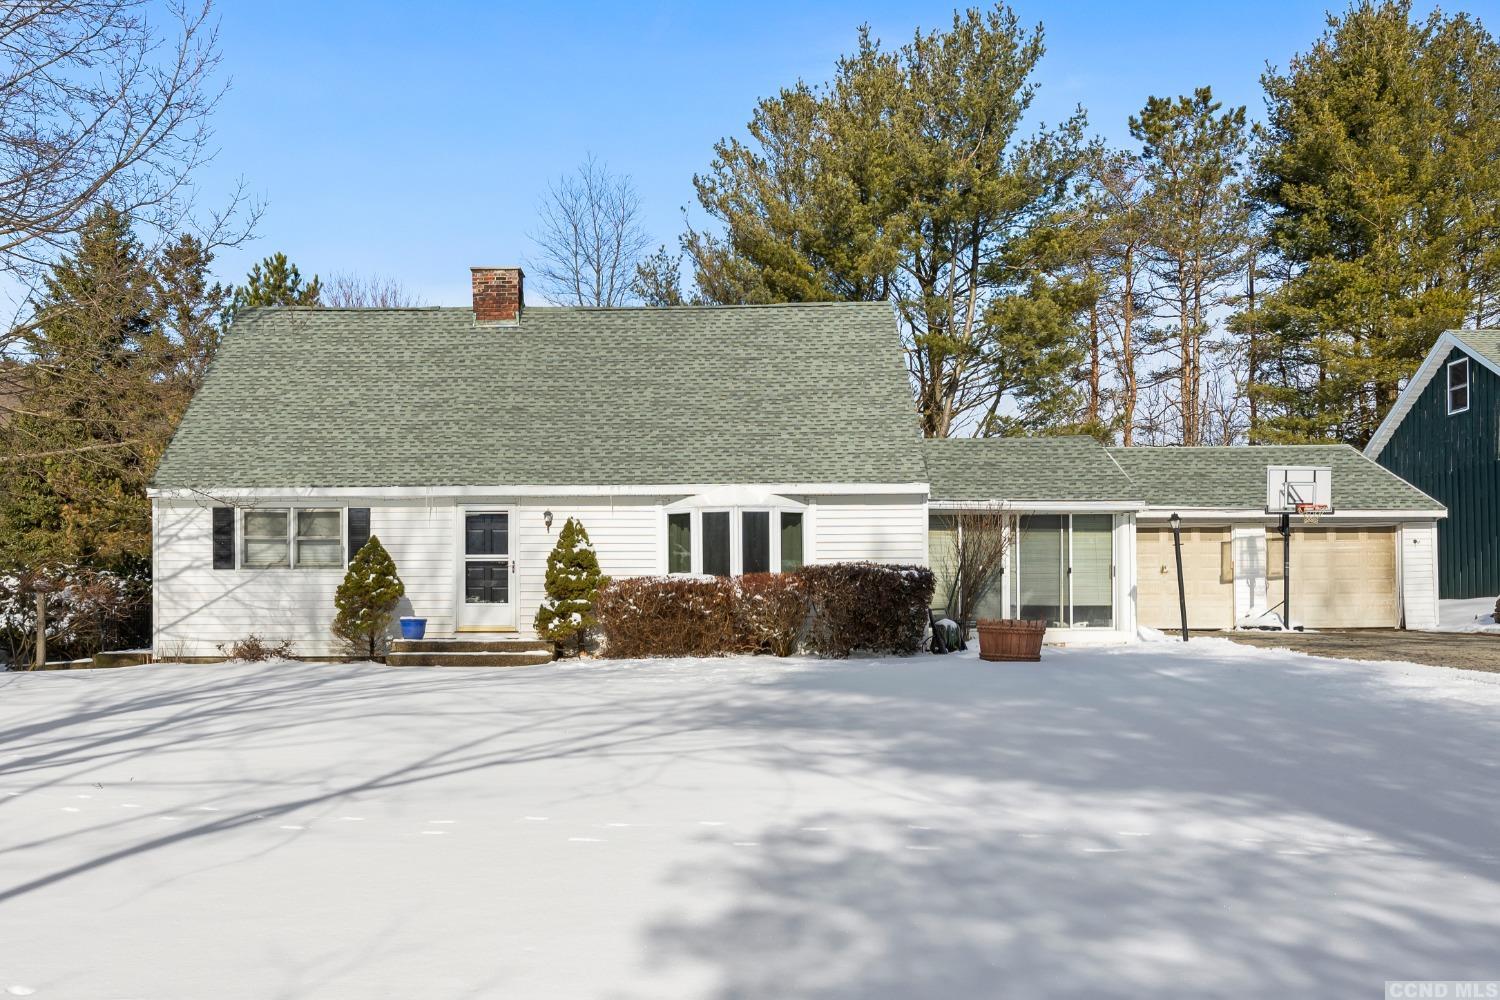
(415, 146)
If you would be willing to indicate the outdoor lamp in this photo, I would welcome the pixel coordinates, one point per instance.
(1176, 522)
(547, 519)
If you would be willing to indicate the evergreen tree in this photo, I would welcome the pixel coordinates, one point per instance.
(95, 412)
(908, 177)
(658, 279)
(1380, 179)
(275, 281)
(189, 308)
(367, 598)
(1196, 214)
(573, 582)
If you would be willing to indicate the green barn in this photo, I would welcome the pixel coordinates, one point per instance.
(1443, 436)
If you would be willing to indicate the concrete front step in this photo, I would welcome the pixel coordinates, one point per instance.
(518, 658)
(501, 645)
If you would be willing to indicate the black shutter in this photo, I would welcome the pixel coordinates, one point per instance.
(359, 529)
(223, 538)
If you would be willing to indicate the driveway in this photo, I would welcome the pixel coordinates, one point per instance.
(1437, 649)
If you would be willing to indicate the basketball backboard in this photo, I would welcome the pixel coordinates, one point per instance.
(1292, 489)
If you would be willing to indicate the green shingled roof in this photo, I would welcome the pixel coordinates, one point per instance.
(1484, 343)
(1057, 469)
(811, 393)
(1235, 477)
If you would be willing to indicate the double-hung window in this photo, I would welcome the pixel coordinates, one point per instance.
(735, 540)
(1458, 386)
(303, 537)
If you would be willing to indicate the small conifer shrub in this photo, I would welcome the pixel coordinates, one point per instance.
(566, 617)
(366, 600)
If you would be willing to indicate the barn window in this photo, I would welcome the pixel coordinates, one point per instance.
(1458, 386)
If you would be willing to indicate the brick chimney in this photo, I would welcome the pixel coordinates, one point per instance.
(498, 296)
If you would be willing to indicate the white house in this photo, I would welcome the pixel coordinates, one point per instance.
(687, 440)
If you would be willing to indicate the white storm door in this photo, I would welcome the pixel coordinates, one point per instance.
(486, 572)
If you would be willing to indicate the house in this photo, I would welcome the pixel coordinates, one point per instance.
(1093, 553)
(703, 440)
(1442, 434)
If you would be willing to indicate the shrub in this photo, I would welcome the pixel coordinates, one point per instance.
(366, 599)
(573, 582)
(254, 649)
(772, 610)
(87, 611)
(868, 606)
(831, 610)
(670, 616)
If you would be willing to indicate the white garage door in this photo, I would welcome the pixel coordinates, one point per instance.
(1210, 596)
(1341, 577)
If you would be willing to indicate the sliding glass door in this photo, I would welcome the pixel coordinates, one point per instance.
(1064, 569)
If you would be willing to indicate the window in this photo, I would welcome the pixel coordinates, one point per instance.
(1041, 583)
(318, 543)
(1093, 570)
(1458, 386)
(680, 543)
(731, 541)
(791, 541)
(486, 582)
(306, 537)
(1064, 569)
(486, 558)
(266, 539)
(716, 542)
(755, 541)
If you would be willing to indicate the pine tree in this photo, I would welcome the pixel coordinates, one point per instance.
(367, 598)
(573, 582)
(914, 176)
(96, 412)
(1380, 179)
(275, 281)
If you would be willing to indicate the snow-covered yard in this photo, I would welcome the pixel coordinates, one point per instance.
(1475, 614)
(1163, 821)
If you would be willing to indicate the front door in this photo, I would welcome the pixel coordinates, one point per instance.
(487, 575)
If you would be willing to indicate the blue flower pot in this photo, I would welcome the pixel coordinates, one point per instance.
(413, 628)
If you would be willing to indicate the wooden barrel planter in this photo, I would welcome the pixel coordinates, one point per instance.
(1010, 639)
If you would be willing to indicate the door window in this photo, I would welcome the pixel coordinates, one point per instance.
(487, 578)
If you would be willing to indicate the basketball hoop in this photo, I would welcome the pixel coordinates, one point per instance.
(1311, 512)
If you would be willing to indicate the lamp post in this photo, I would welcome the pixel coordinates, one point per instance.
(1176, 521)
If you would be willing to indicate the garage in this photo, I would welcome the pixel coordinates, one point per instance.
(1210, 590)
(1342, 577)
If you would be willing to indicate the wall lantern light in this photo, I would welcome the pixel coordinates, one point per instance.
(547, 519)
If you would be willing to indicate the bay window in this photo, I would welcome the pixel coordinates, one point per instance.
(731, 540)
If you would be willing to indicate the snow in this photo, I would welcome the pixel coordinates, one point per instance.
(1164, 820)
(1475, 614)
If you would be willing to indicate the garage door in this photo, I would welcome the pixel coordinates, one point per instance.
(1210, 596)
(1341, 577)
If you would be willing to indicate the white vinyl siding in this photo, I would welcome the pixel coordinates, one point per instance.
(1418, 567)
(202, 607)
(886, 529)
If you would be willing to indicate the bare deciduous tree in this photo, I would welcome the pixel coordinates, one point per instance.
(352, 291)
(978, 537)
(96, 103)
(590, 237)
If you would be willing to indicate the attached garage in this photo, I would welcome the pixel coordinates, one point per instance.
(1210, 596)
(1342, 577)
